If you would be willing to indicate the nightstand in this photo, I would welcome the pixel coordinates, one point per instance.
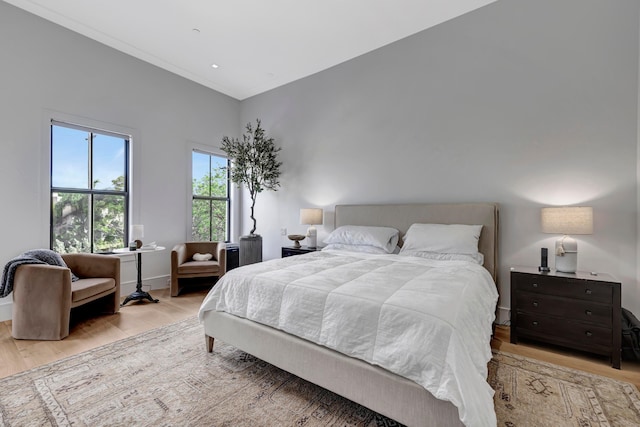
(233, 256)
(579, 310)
(290, 250)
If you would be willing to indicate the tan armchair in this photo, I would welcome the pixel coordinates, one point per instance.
(183, 265)
(43, 295)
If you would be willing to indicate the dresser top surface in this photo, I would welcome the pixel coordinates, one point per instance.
(580, 275)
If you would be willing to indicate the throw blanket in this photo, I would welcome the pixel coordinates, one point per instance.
(36, 256)
(429, 321)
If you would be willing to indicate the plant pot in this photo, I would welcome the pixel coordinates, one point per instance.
(250, 249)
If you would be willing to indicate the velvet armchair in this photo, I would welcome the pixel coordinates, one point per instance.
(43, 295)
(184, 266)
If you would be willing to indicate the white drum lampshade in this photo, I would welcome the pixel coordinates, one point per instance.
(311, 217)
(567, 220)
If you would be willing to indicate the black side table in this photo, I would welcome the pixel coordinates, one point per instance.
(138, 294)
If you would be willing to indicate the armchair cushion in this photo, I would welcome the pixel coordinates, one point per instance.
(86, 288)
(199, 267)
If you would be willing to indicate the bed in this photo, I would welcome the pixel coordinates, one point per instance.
(368, 384)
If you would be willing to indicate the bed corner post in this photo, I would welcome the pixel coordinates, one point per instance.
(209, 342)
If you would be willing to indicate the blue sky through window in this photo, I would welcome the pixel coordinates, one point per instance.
(200, 164)
(70, 154)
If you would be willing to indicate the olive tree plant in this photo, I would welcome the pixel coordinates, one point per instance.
(254, 163)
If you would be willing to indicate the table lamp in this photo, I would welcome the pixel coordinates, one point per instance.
(311, 217)
(567, 220)
(137, 233)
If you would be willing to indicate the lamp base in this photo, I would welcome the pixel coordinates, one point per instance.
(566, 255)
(312, 237)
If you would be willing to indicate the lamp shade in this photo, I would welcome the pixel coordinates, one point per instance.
(567, 220)
(137, 232)
(311, 216)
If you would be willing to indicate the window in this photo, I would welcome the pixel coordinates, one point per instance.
(210, 206)
(89, 189)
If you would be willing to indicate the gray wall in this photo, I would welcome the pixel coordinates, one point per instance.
(526, 103)
(50, 71)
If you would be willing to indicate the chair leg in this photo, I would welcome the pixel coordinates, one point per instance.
(175, 287)
(113, 305)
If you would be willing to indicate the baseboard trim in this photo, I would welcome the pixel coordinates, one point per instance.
(158, 282)
(6, 308)
(162, 282)
(504, 315)
(126, 288)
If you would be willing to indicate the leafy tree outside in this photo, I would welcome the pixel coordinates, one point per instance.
(210, 205)
(72, 220)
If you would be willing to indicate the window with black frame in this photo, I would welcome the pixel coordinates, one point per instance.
(89, 189)
(210, 205)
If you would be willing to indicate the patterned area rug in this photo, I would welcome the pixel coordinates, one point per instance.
(165, 377)
(534, 393)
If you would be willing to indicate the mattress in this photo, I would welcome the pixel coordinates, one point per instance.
(425, 320)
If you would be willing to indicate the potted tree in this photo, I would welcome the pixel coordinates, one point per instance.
(254, 163)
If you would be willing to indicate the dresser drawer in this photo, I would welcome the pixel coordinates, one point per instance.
(580, 335)
(586, 311)
(579, 289)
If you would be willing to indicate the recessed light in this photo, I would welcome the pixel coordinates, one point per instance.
(214, 65)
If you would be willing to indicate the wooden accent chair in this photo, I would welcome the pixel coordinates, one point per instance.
(183, 266)
(43, 295)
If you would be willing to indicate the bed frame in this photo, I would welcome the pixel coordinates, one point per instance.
(371, 386)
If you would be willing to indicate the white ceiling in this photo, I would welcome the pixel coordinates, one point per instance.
(257, 44)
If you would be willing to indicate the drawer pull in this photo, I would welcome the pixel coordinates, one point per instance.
(535, 303)
(588, 292)
(588, 333)
(535, 285)
(534, 323)
(588, 312)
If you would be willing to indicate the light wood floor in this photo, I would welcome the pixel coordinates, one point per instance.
(630, 371)
(88, 332)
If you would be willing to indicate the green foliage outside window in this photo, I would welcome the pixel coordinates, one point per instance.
(210, 206)
(72, 221)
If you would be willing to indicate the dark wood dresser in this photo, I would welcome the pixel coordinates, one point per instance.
(291, 251)
(575, 310)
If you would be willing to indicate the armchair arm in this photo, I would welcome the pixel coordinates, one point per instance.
(93, 265)
(222, 258)
(41, 302)
(178, 255)
(46, 282)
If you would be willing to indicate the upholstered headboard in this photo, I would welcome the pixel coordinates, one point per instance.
(402, 216)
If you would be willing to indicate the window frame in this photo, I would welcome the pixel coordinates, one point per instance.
(227, 199)
(91, 192)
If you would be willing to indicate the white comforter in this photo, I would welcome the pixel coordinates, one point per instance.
(429, 321)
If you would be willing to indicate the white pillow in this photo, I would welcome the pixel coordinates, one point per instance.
(355, 248)
(385, 238)
(477, 258)
(442, 238)
(202, 257)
